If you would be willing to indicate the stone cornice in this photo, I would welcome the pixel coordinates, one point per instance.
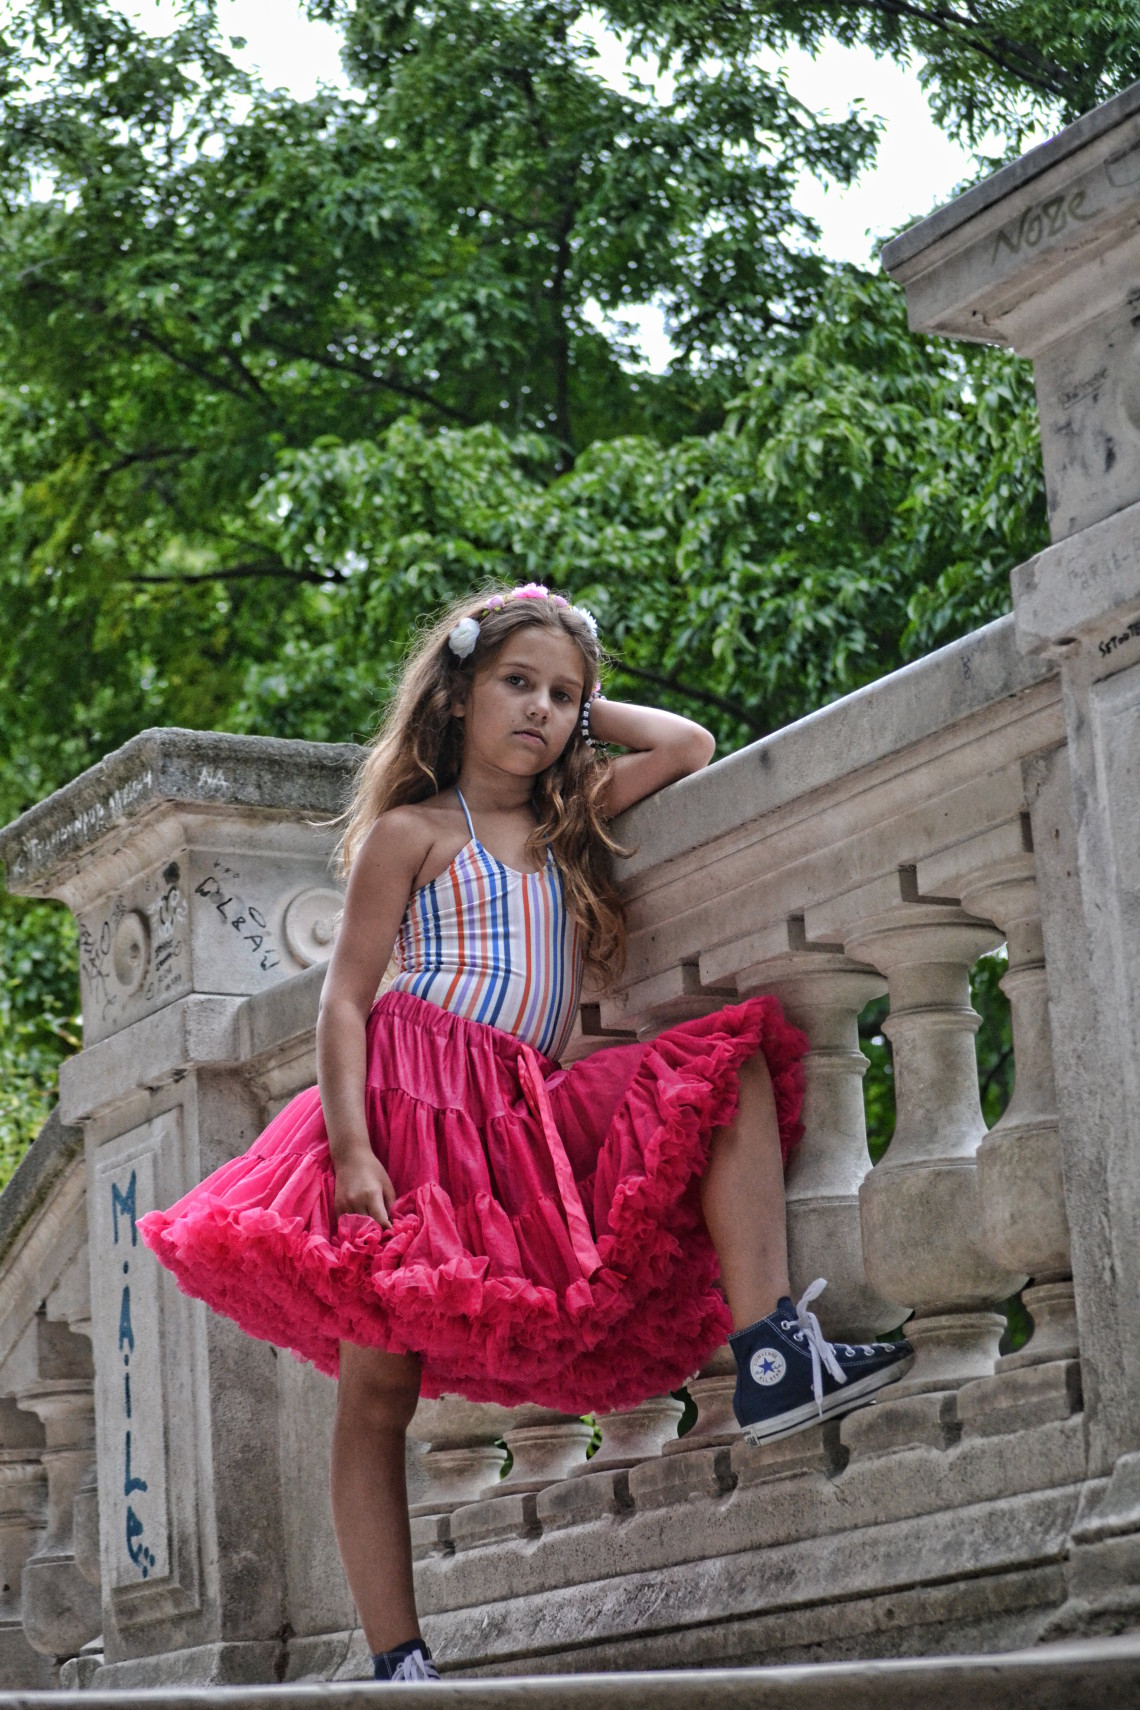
(199, 769)
(1026, 171)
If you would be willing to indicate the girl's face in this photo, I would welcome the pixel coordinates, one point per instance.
(525, 702)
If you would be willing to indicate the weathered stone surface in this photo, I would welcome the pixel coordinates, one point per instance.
(1075, 1676)
(573, 1502)
(500, 1517)
(1001, 1537)
(214, 1666)
(927, 1419)
(1045, 261)
(200, 768)
(1016, 1399)
(816, 1451)
(55, 1147)
(681, 1479)
(431, 1535)
(831, 747)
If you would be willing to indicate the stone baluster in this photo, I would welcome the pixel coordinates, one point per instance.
(461, 1459)
(711, 1392)
(1023, 1221)
(636, 1434)
(23, 1490)
(545, 1447)
(823, 991)
(61, 1609)
(920, 1207)
(70, 1303)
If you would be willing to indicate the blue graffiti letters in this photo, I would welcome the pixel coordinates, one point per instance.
(142, 1557)
(126, 1334)
(124, 1203)
(129, 1483)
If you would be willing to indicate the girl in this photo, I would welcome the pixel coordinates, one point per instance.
(451, 1211)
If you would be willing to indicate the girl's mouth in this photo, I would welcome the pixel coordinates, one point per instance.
(532, 736)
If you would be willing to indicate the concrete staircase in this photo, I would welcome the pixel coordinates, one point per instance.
(1092, 1674)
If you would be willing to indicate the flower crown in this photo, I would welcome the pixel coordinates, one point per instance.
(462, 637)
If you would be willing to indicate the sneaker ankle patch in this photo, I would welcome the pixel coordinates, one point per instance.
(767, 1366)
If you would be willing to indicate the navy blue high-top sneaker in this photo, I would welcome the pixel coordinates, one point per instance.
(789, 1377)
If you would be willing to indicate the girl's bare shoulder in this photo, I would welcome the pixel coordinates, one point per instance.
(405, 835)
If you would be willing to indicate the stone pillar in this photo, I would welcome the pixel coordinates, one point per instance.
(1020, 1181)
(60, 1609)
(823, 991)
(1044, 257)
(919, 1206)
(462, 1461)
(198, 868)
(23, 1491)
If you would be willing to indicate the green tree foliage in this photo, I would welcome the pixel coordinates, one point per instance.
(38, 1023)
(864, 500)
(275, 376)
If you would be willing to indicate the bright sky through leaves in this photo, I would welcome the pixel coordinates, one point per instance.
(918, 165)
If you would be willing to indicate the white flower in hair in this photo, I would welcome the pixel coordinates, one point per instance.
(588, 619)
(463, 637)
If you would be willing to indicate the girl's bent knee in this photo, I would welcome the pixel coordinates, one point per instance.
(755, 1074)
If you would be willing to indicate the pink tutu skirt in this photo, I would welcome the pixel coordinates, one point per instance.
(547, 1243)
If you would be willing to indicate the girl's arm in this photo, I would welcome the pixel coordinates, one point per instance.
(663, 747)
(378, 889)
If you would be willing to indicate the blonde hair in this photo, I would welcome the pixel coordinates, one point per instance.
(417, 752)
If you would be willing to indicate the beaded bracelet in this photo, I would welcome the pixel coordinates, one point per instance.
(595, 694)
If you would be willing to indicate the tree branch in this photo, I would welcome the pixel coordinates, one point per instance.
(159, 454)
(1021, 60)
(190, 363)
(374, 382)
(237, 573)
(703, 697)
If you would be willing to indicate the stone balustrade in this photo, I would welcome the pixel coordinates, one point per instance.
(987, 794)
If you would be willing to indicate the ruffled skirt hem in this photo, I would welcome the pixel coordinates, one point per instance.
(486, 1273)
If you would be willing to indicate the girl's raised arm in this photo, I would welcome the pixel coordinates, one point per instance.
(379, 886)
(663, 747)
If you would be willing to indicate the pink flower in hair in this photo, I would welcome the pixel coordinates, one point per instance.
(531, 591)
(495, 601)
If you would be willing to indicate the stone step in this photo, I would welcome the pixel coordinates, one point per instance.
(1085, 1674)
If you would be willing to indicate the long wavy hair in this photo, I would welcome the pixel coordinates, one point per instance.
(417, 752)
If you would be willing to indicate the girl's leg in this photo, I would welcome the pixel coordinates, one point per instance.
(742, 1197)
(376, 1398)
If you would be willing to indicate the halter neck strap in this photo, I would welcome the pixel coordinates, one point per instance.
(471, 828)
(466, 815)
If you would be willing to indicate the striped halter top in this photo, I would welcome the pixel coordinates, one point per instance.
(495, 945)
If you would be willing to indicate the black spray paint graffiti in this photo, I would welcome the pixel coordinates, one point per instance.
(247, 921)
(95, 963)
(166, 915)
(1132, 633)
(123, 1205)
(1044, 220)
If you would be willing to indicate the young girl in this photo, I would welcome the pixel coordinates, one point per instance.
(451, 1211)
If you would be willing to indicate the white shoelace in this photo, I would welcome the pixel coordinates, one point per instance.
(414, 1667)
(807, 1329)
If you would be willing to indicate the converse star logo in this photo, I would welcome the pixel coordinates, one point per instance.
(767, 1366)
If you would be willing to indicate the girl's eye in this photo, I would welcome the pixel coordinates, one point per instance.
(516, 677)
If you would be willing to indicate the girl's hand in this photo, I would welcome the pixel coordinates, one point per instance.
(364, 1187)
